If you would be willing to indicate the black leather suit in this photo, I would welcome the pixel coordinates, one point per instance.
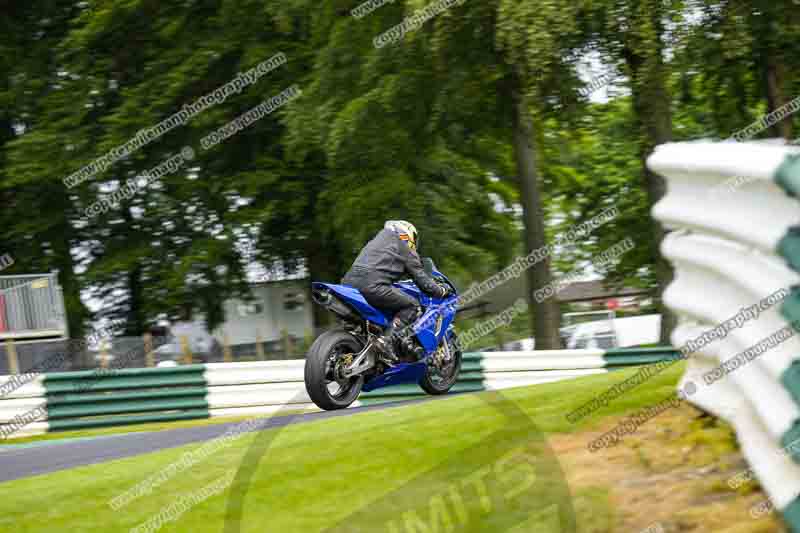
(384, 260)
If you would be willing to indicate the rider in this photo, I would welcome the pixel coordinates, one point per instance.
(390, 256)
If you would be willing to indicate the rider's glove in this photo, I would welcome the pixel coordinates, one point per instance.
(445, 291)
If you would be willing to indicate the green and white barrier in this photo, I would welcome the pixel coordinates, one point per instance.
(735, 243)
(503, 370)
(22, 403)
(102, 398)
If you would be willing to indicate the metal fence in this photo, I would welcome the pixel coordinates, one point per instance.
(121, 352)
(36, 357)
(31, 306)
(74, 354)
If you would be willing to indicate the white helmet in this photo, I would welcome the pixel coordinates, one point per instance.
(405, 230)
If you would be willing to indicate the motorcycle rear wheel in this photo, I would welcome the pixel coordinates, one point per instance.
(325, 358)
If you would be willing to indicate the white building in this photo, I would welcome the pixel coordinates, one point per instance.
(277, 306)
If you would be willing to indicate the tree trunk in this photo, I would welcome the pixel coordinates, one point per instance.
(134, 317)
(545, 316)
(321, 267)
(73, 306)
(76, 311)
(651, 102)
(775, 97)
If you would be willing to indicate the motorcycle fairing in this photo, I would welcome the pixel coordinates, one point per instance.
(397, 375)
(353, 297)
(434, 323)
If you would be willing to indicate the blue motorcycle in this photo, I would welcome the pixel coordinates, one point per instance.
(342, 362)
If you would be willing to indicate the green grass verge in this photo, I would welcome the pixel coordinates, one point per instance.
(318, 474)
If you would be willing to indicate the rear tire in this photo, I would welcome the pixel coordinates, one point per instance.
(320, 367)
(438, 381)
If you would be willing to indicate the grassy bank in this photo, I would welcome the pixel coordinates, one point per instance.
(373, 471)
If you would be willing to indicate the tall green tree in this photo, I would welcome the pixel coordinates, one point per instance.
(462, 96)
(747, 53)
(370, 114)
(632, 38)
(36, 212)
(125, 67)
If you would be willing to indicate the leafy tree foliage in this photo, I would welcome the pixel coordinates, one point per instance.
(477, 126)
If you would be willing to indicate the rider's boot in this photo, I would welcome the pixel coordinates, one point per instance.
(397, 336)
(386, 344)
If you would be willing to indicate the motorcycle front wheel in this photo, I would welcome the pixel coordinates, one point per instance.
(326, 386)
(442, 374)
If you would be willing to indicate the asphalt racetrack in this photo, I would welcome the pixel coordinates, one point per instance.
(25, 460)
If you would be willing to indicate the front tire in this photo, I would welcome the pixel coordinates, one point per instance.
(322, 363)
(440, 378)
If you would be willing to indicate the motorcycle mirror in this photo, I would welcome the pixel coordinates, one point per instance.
(427, 264)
